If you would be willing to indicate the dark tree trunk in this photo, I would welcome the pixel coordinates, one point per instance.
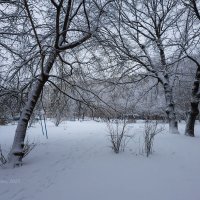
(194, 110)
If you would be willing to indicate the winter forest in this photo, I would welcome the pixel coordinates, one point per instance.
(99, 99)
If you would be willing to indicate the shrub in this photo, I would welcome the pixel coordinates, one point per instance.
(150, 131)
(117, 133)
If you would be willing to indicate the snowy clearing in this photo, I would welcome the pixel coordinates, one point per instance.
(76, 163)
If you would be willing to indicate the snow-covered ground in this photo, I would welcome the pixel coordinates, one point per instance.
(76, 163)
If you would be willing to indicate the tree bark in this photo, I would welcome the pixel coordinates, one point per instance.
(170, 109)
(16, 153)
(194, 110)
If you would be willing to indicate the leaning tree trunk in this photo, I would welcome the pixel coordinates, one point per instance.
(194, 110)
(16, 153)
(170, 109)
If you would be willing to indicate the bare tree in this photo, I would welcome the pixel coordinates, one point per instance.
(53, 28)
(12, 32)
(194, 105)
(191, 38)
(143, 35)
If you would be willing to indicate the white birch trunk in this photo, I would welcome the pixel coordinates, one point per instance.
(16, 153)
(170, 109)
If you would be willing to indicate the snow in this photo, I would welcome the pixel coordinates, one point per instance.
(76, 163)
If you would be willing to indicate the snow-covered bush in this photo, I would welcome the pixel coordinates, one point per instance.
(150, 131)
(3, 160)
(28, 147)
(117, 130)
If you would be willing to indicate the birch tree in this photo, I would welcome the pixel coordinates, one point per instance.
(54, 29)
(144, 36)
